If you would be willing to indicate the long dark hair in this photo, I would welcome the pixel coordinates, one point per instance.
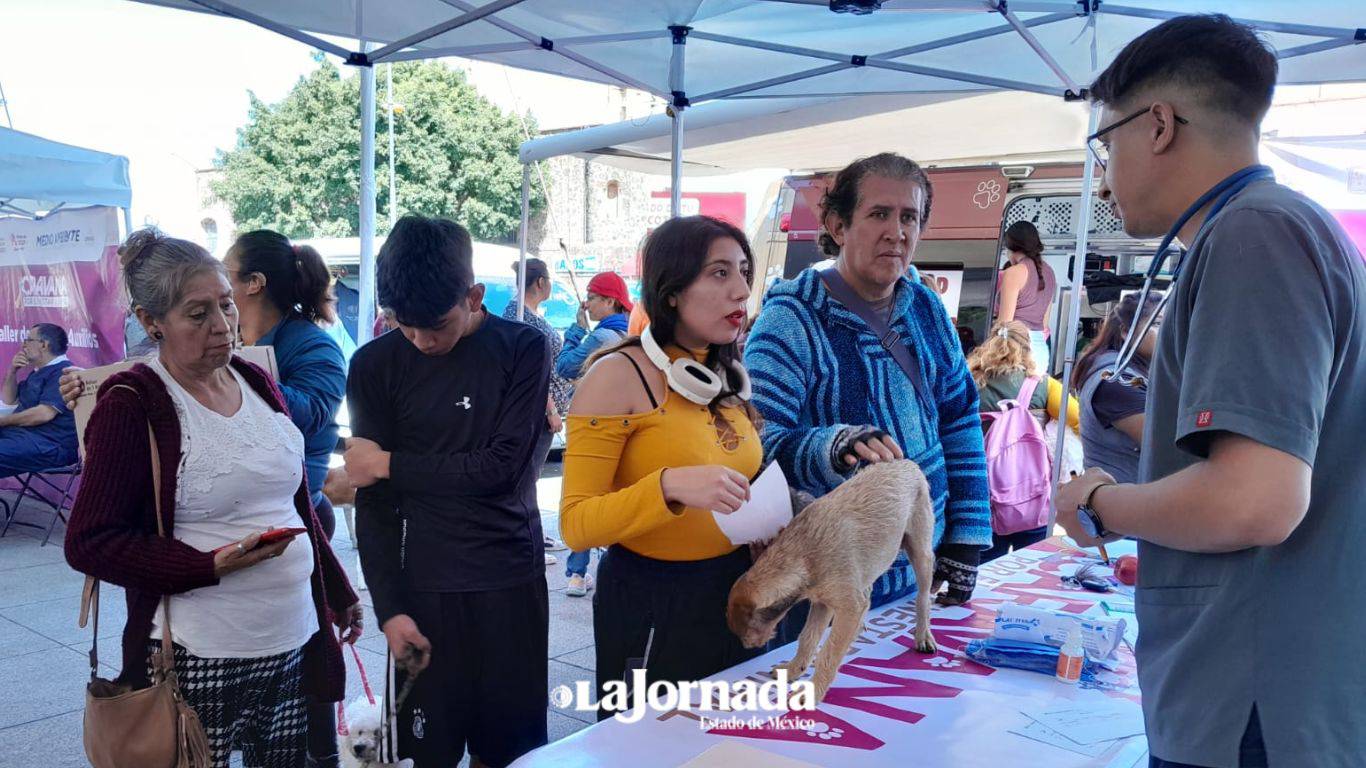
(1023, 237)
(1112, 334)
(297, 278)
(673, 257)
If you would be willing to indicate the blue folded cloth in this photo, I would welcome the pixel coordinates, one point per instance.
(1031, 657)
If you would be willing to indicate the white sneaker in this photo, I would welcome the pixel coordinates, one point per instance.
(579, 586)
(551, 559)
(551, 545)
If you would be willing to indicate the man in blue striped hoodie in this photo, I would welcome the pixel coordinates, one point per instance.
(833, 397)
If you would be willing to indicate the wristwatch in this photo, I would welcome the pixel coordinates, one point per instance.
(1089, 518)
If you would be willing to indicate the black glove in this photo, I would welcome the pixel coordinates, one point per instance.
(956, 564)
(843, 446)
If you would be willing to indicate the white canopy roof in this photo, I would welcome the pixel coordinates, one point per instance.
(793, 48)
(947, 129)
(37, 174)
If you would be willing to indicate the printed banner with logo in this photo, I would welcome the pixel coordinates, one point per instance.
(63, 269)
(893, 706)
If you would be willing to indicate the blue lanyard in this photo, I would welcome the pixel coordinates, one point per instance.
(1220, 194)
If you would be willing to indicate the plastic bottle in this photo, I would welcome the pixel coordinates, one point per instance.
(1070, 658)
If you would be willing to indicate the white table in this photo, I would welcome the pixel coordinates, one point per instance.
(892, 706)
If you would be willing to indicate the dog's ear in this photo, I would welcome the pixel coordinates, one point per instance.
(775, 611)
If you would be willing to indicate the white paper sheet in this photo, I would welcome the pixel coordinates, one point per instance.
(1089, 725)
(767, 512)
(1042, 733)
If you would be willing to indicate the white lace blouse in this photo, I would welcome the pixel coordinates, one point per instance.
(238, 474)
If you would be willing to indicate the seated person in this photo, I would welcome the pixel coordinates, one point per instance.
(41, 432)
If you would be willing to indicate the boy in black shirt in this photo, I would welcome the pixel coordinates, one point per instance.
(446, 415)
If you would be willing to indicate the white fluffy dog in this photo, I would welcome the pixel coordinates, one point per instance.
(360, 747)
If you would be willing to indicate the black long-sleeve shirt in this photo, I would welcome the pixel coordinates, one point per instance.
(461, 428)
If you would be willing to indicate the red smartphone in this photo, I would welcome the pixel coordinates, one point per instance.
(273, 536)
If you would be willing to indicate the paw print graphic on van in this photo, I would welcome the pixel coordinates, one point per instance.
(988, 192)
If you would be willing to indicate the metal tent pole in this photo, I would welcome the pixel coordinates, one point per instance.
(1069, 336)
(680, 102)
(389, 107)
(522, 239)
(365, 319)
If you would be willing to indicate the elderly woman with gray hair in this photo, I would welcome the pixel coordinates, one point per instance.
(252, 616)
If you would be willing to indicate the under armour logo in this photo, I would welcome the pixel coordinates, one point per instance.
(465, 403)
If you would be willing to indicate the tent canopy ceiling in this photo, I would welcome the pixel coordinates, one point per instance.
(755, 49)
(37, 174)
(942, 129)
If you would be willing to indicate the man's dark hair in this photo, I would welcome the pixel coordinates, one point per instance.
(424, 269)
(53, 335)
(1224, 65)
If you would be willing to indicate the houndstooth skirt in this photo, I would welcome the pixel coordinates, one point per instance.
(254, 705)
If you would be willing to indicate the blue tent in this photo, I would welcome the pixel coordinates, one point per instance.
(39, 175)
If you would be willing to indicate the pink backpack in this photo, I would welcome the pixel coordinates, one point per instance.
(1019, 470)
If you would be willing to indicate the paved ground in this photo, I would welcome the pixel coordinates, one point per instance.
(43, 666)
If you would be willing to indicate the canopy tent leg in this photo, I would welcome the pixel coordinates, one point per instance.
(1073, 316)
(522, 239)
(365, 316)
(680, 102)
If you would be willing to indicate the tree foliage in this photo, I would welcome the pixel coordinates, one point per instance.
(296, 166)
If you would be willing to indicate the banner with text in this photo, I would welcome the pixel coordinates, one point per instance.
(63, 269)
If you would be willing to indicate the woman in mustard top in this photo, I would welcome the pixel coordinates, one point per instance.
(649, 459)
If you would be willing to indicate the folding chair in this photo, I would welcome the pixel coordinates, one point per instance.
(59, 508)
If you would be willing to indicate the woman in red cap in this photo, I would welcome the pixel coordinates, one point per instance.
(608, 305)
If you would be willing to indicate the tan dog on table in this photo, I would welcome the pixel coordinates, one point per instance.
(831, 554)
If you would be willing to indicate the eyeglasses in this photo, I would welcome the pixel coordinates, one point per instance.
(1098, 148)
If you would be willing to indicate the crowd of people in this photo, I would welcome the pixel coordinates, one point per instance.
(1227, 453)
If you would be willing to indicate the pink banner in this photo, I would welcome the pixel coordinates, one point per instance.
(63, 269)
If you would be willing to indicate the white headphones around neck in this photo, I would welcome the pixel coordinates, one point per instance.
(694, 381)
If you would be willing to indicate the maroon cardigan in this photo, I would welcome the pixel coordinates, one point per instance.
(112, 534)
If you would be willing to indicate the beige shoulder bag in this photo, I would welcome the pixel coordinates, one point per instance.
(150, 727)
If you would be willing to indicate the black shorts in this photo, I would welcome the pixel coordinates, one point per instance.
(486, 687)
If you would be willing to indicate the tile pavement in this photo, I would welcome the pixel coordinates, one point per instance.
(43, 652)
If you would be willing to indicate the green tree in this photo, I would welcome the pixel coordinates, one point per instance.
(296, 166)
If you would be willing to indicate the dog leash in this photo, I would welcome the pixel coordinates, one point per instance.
(342, 730)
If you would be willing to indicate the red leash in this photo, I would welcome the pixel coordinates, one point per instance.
(342, 730)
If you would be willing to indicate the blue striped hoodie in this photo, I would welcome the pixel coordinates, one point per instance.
(817, 368)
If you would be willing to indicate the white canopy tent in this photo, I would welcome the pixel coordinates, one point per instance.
(944, 129)
(38, 175)
(693, 51)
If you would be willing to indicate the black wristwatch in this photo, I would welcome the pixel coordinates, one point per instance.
(1089, 518)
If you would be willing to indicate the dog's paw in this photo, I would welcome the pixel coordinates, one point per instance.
(793, 672)
(925, 643)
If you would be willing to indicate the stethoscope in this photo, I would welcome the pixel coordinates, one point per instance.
(1221, 194)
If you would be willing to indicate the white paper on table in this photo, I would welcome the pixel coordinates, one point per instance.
(1088, 725)
(729, 753)
(767, 512)
(1042, 733)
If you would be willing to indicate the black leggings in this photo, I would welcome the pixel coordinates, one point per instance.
(322, 718)
(678, 609)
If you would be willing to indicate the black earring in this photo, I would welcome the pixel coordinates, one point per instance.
(157, 335)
